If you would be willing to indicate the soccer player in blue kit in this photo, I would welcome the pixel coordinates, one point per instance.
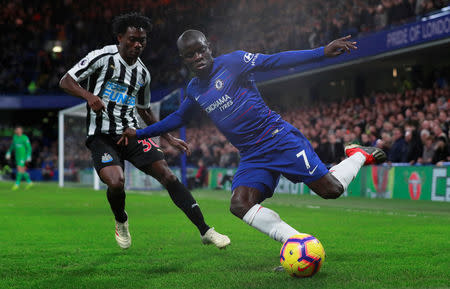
(268, 145)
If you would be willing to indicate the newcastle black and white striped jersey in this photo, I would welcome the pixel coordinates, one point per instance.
(119, 85)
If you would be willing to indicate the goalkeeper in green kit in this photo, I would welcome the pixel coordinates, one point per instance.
(21, 145)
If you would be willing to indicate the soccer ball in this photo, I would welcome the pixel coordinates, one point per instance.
(302, 255)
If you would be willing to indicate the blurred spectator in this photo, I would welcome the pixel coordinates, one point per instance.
(399, 148)
(201, 178)
(414, 145)
(48, 169)
(441, 152)
(428, 151)
(333, 151)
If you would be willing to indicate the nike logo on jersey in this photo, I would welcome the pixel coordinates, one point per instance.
(312, 172)
(197, 97)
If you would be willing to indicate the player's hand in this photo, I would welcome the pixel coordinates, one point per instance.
(181, 145)
(96, 104)
(339, 46)
(128, 133)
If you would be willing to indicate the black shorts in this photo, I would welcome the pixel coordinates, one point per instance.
(106, 152)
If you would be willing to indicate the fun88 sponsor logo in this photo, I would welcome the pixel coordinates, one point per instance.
(116, 92)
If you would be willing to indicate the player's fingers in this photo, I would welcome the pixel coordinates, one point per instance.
(351, 44)
(345, 37)
(181, 147)
(126, 141)
(120, 140)
(98, 105)
(188, 151)
(103, 106)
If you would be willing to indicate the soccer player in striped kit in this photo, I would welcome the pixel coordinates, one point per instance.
(118, 82)
(269, 146)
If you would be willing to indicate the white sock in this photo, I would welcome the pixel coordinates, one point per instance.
(269, 222)
(347, 170)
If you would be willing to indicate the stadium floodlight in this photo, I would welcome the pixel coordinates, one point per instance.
(57, 49)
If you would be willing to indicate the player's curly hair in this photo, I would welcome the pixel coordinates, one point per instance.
(121, 23)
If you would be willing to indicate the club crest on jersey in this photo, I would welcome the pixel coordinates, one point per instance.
(218, 84)
(248, 56)
(106, 158)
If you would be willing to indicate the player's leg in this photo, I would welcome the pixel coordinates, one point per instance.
(333, 184)
(149, 158)
(245, 204)
(184, 200)
(26, 176)
(113, 177)
(20, 165)
(18, 178)
(252, 184)
(179, 194)
(108, 165)
(298, 162)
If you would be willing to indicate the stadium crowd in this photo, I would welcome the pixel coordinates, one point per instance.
(411, 127)
(35, 27)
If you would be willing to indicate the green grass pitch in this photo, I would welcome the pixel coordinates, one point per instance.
(64, 238)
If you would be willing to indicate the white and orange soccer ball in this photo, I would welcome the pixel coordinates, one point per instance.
(302, 255)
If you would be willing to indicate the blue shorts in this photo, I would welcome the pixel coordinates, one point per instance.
(292, 156)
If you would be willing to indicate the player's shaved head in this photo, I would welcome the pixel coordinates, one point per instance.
(194, 49)
(190, 36)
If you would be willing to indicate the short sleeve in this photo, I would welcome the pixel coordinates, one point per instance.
(88, 65)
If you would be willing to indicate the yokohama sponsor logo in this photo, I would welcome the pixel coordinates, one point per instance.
(223, 101)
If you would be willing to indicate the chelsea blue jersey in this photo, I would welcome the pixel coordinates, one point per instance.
(231, 99)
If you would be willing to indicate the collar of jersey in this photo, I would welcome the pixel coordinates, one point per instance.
(125, 63)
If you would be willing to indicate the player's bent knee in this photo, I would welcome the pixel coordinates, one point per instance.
(238, 207)
(116, 185)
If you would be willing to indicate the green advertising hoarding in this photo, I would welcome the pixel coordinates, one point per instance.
(398, 182)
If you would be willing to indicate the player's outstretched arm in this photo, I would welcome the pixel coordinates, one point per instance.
(149, 118)
(339, 46)
(70, 86)
(246, 62)
(170, 123)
